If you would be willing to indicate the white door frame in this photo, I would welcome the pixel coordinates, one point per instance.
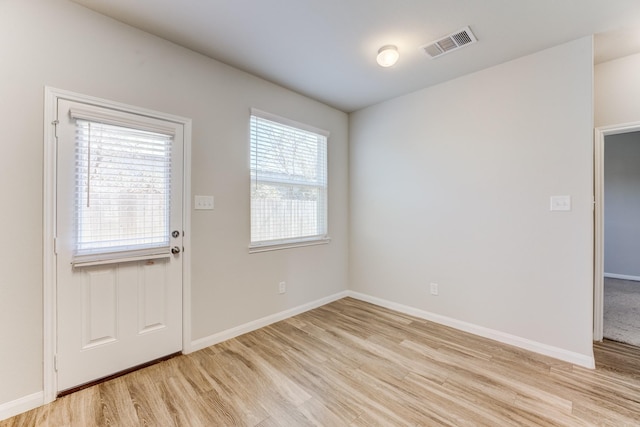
(51, 96)
(598, 279)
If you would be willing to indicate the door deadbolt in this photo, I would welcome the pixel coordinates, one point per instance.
(175, 234)
(175, 250)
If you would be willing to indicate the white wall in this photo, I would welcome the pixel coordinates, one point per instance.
(63, 45)
(622, 204)
(616, 94)
(451, 185)
(617, 91)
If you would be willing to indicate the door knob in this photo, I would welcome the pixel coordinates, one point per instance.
(175, 250)
(175, 234)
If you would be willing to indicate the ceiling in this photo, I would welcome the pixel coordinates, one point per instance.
(326, 49)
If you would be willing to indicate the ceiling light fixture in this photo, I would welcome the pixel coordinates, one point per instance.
(387, 55)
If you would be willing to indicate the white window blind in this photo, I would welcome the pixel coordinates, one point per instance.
(123, 183)
(288, 181)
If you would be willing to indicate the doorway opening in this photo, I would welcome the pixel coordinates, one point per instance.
(617, 274)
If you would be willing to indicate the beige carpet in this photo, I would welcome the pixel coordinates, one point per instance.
(622, 311)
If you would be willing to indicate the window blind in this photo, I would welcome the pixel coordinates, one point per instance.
(288, 182)
(123, 178)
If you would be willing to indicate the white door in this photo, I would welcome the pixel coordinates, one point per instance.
(118, 241)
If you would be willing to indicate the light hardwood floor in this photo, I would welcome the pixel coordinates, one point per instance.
(350, 363)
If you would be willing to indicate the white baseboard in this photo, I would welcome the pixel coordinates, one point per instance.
(536, 347)
(18, 406)
(622, 276)
(260, 323)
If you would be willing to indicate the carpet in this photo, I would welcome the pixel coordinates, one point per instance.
(622, 311)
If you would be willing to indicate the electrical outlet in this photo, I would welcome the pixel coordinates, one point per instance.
(434, 289)
(282, 287)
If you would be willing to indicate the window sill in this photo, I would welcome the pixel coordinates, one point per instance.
(266, 247)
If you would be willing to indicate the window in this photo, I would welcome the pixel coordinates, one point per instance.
(122, 190)
(288, 183)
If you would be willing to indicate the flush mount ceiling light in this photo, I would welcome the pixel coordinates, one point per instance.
(387, 55)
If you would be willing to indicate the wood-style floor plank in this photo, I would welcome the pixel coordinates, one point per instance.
(350, 363)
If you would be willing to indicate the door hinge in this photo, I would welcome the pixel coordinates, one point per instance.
(55, 246)
(55, 128)
(55, 362)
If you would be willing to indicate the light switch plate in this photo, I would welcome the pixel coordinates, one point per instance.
(204, 203)
(560, 203)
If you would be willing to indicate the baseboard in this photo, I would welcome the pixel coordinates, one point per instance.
(622, 276)
(260, 323)
(526, 344)
(18, 406)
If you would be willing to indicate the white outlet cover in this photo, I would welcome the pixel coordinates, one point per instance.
(434, 289)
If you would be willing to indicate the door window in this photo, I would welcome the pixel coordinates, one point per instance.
(122, 189)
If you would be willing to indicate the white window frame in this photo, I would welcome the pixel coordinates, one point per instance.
(270, 245)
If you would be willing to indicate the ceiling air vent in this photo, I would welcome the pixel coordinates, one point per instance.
(449, 43)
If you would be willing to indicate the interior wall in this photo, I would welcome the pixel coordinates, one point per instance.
(452, 185)
(616, 91)
(622, 204)
(60, 44)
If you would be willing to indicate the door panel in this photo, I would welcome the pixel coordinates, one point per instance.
(127, 310)
(152, 297)
(99, 307)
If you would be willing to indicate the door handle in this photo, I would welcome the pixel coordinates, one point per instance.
(175, 250)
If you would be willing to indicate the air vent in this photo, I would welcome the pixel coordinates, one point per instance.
(449, 43)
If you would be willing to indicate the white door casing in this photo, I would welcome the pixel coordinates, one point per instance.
(101, 319)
